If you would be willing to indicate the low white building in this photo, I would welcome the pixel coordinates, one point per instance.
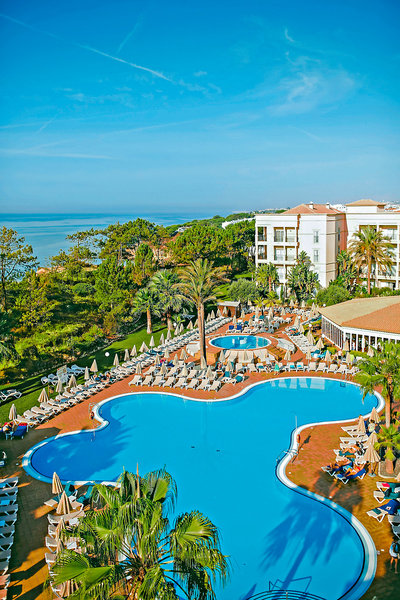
(362, 322)
(322, 231)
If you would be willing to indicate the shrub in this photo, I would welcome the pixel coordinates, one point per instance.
(83, 289)
(333, 294)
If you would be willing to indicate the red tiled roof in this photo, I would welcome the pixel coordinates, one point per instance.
(366, 202)
(371, 314)
(312, 209)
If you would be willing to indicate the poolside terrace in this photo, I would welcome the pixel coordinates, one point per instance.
(28, 568)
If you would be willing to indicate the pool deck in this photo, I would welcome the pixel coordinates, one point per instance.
(28, 568)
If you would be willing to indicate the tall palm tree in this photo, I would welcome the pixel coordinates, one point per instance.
(370, 247)
(130, 550)
(267, 275)
(163, 284)
(145, 302)
(389, 439)
(197, 284)
(382, 370)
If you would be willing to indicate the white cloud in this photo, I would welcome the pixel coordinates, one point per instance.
(287, 36)
(200, 73)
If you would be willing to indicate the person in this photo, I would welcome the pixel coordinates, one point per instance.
(394, 552)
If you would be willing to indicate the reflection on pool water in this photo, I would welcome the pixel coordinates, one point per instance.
(240, 342)
(223, 457)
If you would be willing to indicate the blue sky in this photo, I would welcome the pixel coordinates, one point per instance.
(211, 107)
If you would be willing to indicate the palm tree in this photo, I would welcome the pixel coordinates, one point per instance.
(163, 283)
(389, 439)
(369, 247)
(267, 275)
(383, 370)
(145, 302)
(130, 550)
(198, 282)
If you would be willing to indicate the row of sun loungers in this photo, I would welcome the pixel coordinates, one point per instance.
(8, 518)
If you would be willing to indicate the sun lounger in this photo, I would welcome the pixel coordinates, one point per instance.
(181, 383)
(342, 370)
(312, 366)
(299, 366)
(169, 382)
(193, 384)
(321, 367)
(346, 478)
(55, 519)
(148, 380)
(205, 384)
(137, 380)
(215, 386)
(376, 513)
(382, 496)
(332, 368)
(159, 380)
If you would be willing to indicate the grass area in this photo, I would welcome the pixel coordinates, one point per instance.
(31, 387)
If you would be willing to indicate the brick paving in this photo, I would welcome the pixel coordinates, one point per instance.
(28, 568)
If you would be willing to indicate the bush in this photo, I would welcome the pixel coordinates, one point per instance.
(83, 289)
(333, 294)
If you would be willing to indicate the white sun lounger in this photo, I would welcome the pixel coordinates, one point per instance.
(148, 380)
(215, 386)
(193, 384)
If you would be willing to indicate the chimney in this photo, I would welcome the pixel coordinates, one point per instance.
(311, 205)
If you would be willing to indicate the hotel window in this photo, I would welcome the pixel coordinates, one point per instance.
(262, 234)
(279, 254)
(290, 253)
(278, 235)
(290, 235)
(262, 252)
(281, 273)
(316, 237)
(316, 256)
(338, 234)
(389, 233)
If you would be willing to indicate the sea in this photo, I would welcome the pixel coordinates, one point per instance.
(46, 233)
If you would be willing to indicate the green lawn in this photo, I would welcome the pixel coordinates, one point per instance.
(31, 387)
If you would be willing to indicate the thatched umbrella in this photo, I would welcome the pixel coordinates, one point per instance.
(209, 371)
(328, 357)
(196, 323)
(175, 360)
(203, 363)
(346, 346)
(234, 320)
(242, 314)
(152, 342)
(72, 381)
(349, 358)
(166, 353)
(371, 455)
(374, 416)
(94, 367)
(310, 338)
(164, 369)
(126, 354)
(12, 415)
(287, 356)
(225, 311)
(143, 347)
(184, 372)
(87, 374)
(190, 326)
(222, 356)
(64, 506)
(176, 332)
(181, 328)
(157, 361)
(162, 339)
(184, 354)
(270, 313)
(320, 344)
(308, 355)
(292, 304)
(60, 526)
(138, 369)
(134, 351)
(56, 485)
(59, 387)
(370, 351)
(116, 360)
(43, 397)
(372, 439)
(169, 335)
(361, 425)
(303, 304)
(301, 328)
(212, 314)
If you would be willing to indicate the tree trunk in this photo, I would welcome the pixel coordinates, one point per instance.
(202, 333)
(389, 468)
(149, 327)
(3, 287)
(388, 410)
(169, 322)
(369, 275)
(269, 284)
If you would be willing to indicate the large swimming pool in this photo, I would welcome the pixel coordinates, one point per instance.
(239, 342)
(223, 457)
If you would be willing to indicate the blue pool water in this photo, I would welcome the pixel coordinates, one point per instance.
(240, 342)
(223, 457)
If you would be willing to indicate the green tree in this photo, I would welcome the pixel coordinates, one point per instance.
(122, 240)
(16, 258)
(369, 248)
(333, 294)
(164, 285)
(243, 290)
(197, 284)
(7, 347)
(145, 302)
(36, 308)
(302, 281)
(131, 550)
(382, 370)
(199, 241)
(144, 264)
(111, 283)
(389, 440)
(267, 276)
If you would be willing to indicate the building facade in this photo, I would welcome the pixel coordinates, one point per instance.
(322, 231)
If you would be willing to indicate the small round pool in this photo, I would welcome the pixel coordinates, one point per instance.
(240, 342)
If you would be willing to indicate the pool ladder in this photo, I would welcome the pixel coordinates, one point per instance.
(284, 595)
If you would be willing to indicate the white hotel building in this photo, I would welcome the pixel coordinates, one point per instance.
(322, 231)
